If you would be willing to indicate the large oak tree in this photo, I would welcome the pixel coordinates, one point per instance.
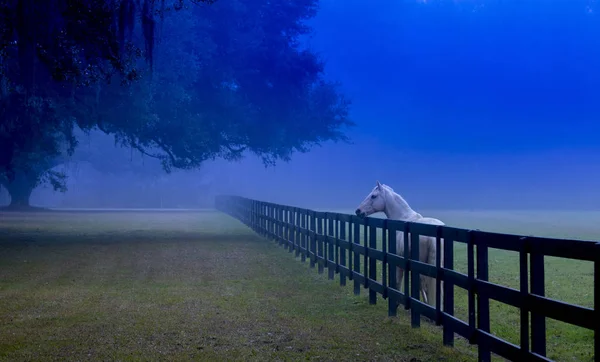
(225, 79)
(49, 51)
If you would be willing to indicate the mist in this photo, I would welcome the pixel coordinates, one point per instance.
(455, 108)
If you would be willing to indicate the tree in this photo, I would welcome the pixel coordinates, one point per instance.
(49, 51)
(231, 78)
(226, 79)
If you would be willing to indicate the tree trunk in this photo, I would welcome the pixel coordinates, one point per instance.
(20, 190)
(19, 196)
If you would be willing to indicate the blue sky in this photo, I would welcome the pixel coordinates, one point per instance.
(491, 81)
(459, 105)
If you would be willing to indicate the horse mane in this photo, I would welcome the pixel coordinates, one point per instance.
(390, 189)
(394, 194)
(398, 197)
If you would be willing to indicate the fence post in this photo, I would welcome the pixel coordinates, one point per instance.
(448, 291)
(350, 248)
(342, 252)
(366, 254)
(313, 239)
(336, 232)
(483, 302)
(257, 217)
(288, 226)
(524, 288)
(267, 221)
(597, 301)
(330, 247)
(263, 218)
(356, 256)
(393, 280)
(415, 279)
(282, 238)
(294, 231)
(471, 284)
(384, 262)
(252, 211)
(439, 253)
(270, 222)
(372, 262)
(407, 268)
(538, 321)
(278, 224)
(273, 223)
(282, 226)
(303, 235)
(320, 245)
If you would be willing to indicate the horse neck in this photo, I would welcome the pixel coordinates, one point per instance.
(397, 208)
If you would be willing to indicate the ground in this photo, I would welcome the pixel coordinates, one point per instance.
(183, 286)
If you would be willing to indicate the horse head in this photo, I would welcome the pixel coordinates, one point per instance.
(374, 202)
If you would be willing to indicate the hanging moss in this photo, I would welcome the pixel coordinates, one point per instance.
(126, 21)
(99, 29)
(148, 25)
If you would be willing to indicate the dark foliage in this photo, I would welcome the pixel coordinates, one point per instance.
(230, 78)
(49, 50)
(218, 81)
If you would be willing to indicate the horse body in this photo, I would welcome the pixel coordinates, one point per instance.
(384, 199)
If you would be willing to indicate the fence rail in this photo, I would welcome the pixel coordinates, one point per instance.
(333, 241)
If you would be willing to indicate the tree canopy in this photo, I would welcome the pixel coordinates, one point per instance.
(49, 51)
(214, 80)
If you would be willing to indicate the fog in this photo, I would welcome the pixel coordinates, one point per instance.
(450, 112)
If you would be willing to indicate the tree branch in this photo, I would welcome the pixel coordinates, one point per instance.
(144, 152)
(165, 148)
(239, 150)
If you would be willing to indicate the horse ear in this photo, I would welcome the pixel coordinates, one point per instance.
(378, 185)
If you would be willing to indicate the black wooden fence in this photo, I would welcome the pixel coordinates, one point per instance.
(333, 241)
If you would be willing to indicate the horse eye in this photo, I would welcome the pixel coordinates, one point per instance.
(373, 196)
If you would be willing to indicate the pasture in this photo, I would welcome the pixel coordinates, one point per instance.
(182, 286)
(566, 280)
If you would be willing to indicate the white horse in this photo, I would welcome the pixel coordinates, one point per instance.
(384, 199)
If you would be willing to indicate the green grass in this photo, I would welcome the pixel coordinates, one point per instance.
(182, 286)
(566, 280)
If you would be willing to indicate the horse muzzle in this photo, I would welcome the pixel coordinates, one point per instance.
(359, 213)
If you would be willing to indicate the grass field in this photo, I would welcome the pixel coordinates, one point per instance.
(182, 286)
(566, 280)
